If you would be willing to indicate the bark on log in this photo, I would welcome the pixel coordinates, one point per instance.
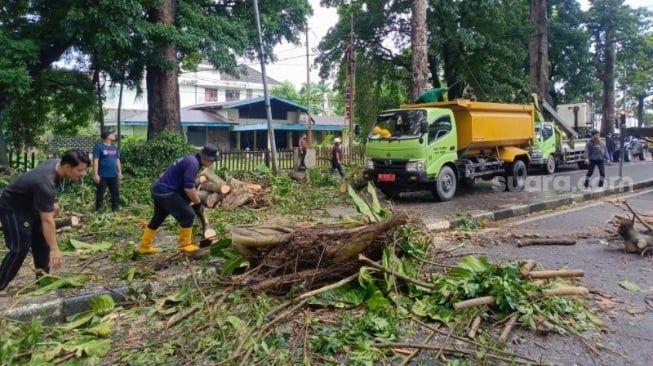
(70, 221)
(238, 197)
(474, 328)
(485, 300)
(213, 200)
(566, 291)
(208, 176)
(562, 273)
(634, 241)
(546, 242)
(215, 187)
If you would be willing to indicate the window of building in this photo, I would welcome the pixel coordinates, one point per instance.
(231, 95)
(210, 95)
(250, 93)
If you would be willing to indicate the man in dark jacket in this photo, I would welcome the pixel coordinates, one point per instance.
(174, 194)
(609, 144)
(596, 154)
(27, 209)
(336, 157)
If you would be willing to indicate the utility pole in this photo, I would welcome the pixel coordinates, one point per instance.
(622, 141)
(308, 93)
(350, 89)
(268, 109)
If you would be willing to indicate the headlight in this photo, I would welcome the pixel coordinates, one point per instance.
(369, 164)
(536, 153)
(415, 166)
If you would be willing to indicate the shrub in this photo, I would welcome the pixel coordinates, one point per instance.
(147, 159)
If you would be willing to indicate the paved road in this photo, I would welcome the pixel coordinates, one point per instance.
(540, 186)
(604, 266)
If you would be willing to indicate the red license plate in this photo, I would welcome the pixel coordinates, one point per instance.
(386, 177)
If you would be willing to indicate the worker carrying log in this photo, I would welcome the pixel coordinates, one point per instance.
(174, 193)
(27, 210)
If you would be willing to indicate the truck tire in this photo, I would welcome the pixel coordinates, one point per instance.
(516, 175)
(550, 166)
(628, 156)
(582, 165)
(641, 156)
(389, 192)
(445, 185)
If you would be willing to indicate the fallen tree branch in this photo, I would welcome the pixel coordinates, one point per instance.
(638, 218)
(485, 300)
(474, 328)
(412, 355)
(562, 273)
(527, 267)
(545, 242)
(451, 350)
(332, 286)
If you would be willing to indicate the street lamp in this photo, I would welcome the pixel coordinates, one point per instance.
(622, 140)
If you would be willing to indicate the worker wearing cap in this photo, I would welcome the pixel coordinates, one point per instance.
(107, 171)
(336, 157)
(174, 194)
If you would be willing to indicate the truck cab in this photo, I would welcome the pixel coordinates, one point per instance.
(407, 148)
(551, 149)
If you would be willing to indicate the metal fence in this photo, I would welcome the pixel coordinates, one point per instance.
(21, 160)
(248, 160)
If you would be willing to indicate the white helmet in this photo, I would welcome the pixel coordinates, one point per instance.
(337, 139)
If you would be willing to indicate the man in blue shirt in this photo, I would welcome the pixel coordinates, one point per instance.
(174, 194)
(107, 171)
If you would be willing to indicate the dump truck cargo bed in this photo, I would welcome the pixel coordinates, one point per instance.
(483, 125)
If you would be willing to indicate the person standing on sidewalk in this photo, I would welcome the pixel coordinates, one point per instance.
(336, 157)
(174, 193)
(303, 148)
(27, 210)
(107, 170)
(596, 154)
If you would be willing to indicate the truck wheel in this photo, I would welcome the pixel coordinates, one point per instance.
(550, 165)
(516, 175)
(389, 192)
(582, 165)
(641, 156)
(445, 185)
(628, 156)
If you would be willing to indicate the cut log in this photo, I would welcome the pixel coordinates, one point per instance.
(562, 273)
(528, 266)
(542, 325)
(253, 187)
(72, 221)
(208, 176)
(203, 195)
(634, 241)
(508, 328)
(566, 291)
(530, 242)
(238, 197)
(215, 187)
(485, 300)
(213, 200)
(474, 328)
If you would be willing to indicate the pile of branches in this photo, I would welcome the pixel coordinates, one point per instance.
(283, 256)
(230, 193)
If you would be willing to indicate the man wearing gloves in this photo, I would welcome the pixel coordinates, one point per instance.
(174, 193)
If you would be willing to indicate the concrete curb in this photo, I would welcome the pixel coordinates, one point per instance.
(504, 213)
(57, 310)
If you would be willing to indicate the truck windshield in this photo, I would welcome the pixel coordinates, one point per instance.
(398, 125)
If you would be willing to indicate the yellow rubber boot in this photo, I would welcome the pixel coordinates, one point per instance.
(185, 240)
(146, 242)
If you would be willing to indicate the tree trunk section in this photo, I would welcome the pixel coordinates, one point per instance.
(162, 84)
(640, 110)
(608, 81)
(538, 50)
(3, 143)
(418, 38)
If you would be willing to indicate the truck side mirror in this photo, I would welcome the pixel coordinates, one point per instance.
(357, 129)
(424, 127)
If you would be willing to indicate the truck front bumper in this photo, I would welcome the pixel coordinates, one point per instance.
(404, 180)
(538, 161)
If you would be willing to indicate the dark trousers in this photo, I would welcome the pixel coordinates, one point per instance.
(337, 166)
(101, 188)
(175, 204)
(302, 159)
(22, 232)
(595, 163)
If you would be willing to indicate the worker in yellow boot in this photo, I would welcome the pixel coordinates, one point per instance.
(174, 194)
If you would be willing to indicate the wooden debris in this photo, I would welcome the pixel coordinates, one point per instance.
(474, 328)
(634, 240)
(528, 266)
(525, 243)
(562, 273)
(508, 328)
(485, 300)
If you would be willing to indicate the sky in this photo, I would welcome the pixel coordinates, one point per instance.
(291, 64)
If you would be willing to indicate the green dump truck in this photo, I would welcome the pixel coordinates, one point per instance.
(437, 146)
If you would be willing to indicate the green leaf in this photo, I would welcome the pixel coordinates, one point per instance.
(101, 330)
(81, 246)
(361, 205)
(630, 286)
(475, 264)
(233, 263)
(93, 348)
(376, 300)
(102, 305)
(75, 281)
(78, 320)
(347, 296)
(376, 205)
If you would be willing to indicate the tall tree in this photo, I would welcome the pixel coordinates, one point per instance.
(538, 49)
(419, 48)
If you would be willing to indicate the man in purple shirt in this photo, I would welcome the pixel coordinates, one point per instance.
(174, 194)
